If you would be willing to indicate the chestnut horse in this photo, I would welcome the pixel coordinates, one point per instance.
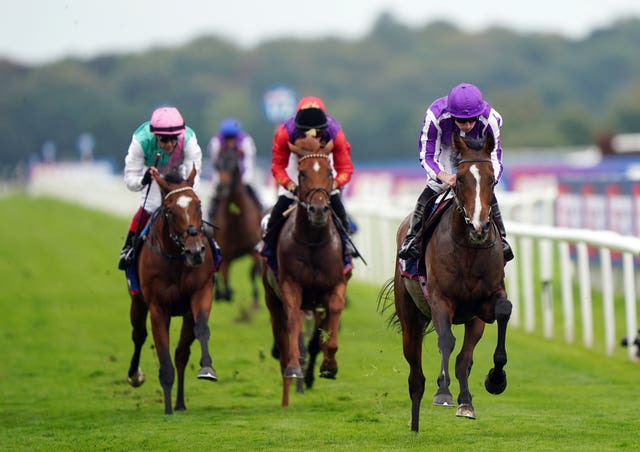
(237, 219)
(310, 266)
(175, 269)
(464, 285)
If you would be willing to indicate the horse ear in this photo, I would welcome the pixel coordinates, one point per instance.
(327, 148)
(163, 184)
(458, 143)
(192, 175)
(489, 143)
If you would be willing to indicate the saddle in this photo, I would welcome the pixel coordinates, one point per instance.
(414, 268)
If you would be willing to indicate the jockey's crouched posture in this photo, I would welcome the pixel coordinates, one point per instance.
(160, 146)
(464, 112)
(310, 119)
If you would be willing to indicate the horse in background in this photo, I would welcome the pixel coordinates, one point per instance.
(175, 268)
(464, 269)
(310, 276)
(237, 219)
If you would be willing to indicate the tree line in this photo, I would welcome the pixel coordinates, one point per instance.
(551, 91)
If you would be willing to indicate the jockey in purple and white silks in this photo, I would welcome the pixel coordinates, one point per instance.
(465, 112)
(231, 137)
(162, 145)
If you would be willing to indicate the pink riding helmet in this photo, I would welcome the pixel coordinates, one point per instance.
(166, 121)
(465, 101)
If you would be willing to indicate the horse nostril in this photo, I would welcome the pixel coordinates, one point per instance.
(312, 209)
(192, 230)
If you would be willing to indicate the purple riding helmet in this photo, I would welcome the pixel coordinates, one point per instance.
(465, 101)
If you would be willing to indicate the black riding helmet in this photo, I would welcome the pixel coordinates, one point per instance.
(310, 118)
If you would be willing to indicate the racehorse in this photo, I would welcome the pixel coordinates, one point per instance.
(464, 285)
(237, 218)
(310, 276)
(175, 269)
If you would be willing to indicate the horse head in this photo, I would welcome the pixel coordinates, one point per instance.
(182, 214)
(315, 178)
(228, 167)
(473, 191)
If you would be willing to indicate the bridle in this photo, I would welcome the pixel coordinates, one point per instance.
(305, 201)
(456, 196)
(176, 237)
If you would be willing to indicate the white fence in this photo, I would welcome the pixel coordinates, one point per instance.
(376, 241)
(378, 219)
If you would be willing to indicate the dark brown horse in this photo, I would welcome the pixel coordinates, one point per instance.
(175, 269)
(237, 218)
(464, 285)
(310, 266)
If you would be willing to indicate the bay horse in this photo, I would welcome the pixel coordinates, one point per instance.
(175, 269)
(464, 285)
(310, 276)
(237, 220)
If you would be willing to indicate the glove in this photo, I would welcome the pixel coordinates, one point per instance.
(292, 187)
(146, 179)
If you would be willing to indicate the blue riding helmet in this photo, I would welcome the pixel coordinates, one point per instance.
(465, 101)
(230, 127)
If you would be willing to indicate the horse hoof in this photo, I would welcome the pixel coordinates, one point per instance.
(293, 372)
(326, 372)
(299, 386)
(444, 400)
(496, 382)
(208, 373)
(136, 379)
(466, 410)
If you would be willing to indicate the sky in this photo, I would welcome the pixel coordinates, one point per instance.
(41, 31)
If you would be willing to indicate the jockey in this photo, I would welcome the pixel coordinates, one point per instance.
(159, 146)
(230, 136)
(465, 112)
(310, 119)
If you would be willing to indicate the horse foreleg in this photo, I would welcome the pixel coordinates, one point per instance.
(292, 301)
(183, 351)
(446, 343)
(254, 272)
(496, 381)
(160, 322)
(329, 344)
(473, 330)
(202, 333)
(138, 316)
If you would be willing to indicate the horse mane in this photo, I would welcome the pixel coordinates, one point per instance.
(174, 177)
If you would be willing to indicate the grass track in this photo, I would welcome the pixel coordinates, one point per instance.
(65, 340)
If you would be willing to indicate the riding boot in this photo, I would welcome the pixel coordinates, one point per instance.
(341, 214)
(497, 219)
(276, 219)
(126, 255)
(411, 246)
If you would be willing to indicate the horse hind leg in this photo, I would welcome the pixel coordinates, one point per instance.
(496, 380)
(181, 358)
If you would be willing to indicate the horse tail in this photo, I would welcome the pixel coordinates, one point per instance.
(386, 304)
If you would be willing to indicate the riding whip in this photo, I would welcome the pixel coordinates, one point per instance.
(144, 203)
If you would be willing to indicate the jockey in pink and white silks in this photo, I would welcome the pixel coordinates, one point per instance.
(161, 145)
(465, 112)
